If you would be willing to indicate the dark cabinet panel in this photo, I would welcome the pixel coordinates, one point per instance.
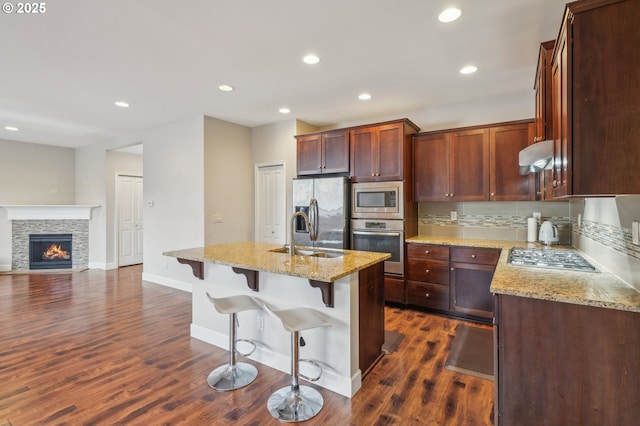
(371, 315)
(428, 295)
(394, 289)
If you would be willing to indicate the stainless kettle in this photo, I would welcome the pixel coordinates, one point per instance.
(548, 232)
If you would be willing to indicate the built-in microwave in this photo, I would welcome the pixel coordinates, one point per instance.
(377, 200)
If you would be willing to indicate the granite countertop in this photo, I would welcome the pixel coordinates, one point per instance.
(602, 289)
(258, 257)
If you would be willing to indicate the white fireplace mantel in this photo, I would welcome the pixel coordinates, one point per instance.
(49, 212)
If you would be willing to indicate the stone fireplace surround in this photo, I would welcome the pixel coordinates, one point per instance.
(52, 219)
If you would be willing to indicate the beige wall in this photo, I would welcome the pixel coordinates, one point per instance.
(228, 182)
(32, 174)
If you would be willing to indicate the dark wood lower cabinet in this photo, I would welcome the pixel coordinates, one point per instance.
(371, 315)
(564, 364)
(394, 289)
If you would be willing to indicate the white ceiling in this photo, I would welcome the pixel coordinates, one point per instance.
(61, 71)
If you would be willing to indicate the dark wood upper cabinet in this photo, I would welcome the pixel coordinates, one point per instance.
(477, 163)
(382, 152)
(452, 165)
(505, 180)
(542, 88)
(596, 99)
(323, 153)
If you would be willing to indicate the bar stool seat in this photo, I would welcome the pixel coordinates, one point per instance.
(297, 403)
(233, 375)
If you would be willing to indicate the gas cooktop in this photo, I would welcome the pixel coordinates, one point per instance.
(549, 259)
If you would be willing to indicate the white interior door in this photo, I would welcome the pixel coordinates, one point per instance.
(270, 203)
(130, 223)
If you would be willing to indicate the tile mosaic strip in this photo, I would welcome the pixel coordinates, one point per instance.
(614, 237)
(488, 221)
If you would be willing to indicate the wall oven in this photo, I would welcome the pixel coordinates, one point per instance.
(382, 236)
(377, 200)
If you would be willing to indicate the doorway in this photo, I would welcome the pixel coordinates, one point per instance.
(271, 201)
(130, 219)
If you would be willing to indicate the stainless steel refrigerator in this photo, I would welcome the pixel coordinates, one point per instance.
(333, 208)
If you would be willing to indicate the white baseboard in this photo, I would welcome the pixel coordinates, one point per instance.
(5, 268)
(345, 386)
(167, 282)
(102, 265)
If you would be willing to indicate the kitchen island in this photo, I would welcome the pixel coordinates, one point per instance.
(346, 286)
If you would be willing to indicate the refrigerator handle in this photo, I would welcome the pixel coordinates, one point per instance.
(313, 219)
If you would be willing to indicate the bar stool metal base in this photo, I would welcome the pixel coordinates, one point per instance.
(227, 377)
(295, 405)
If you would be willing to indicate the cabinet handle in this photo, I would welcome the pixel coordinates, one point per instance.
(451, 194)
(446, 195)
(427, 295)
(426, 251)
(452, 269)
(473, 256)
(555, 183)
(373, 174)
(493, 194)
(426, 271)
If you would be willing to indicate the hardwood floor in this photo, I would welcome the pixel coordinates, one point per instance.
(103, 347)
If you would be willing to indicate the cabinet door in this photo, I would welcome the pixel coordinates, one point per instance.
(431, 167)
(394, 289)
(362, 155)
(469, 289)
(428, 295)
(505, 144)
(559, 93)
(469, 165)
(542, 87)
(371, 315)
(335, 152)
(390, 152)
(309, 154)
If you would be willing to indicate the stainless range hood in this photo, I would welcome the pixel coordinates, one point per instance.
(536, 157)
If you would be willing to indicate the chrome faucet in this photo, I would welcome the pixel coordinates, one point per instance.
(308, 228)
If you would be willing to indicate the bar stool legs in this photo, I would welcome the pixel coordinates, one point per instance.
(297, 403)
(233, 375)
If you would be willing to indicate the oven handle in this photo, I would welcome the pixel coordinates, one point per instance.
(384, 234)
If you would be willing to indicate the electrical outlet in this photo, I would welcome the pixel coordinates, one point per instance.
(454, 215)
(579, 220)
(217, 218)
(635, 233)
(537, 216)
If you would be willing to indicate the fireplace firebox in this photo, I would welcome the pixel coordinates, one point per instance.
(50, 251)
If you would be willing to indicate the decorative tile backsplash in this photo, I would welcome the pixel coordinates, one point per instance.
(614, 237)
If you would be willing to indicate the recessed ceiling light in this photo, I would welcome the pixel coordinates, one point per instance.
(469, 69)
(284, 110)
(122, 104)
(449, 15)
(311, 59)
(11, 128)
(364, 96)
(225, 88)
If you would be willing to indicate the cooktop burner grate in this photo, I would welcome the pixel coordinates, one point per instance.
(550, 259)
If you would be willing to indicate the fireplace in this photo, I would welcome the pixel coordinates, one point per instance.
(50, 251)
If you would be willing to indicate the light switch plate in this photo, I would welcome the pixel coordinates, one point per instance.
(537, 216)
(454, 215)
(635, 233)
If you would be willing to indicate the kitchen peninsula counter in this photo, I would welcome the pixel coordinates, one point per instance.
(259, 257)
(600, 289)
(346, 287)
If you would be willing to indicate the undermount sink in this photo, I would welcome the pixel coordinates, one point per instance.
(309, 252)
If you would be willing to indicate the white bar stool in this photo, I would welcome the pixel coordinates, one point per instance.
(233, 375)
(297, 403)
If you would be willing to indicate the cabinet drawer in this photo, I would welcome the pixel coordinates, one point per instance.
(484, 256)
(428, 270)
(428, 295)
(428, 251)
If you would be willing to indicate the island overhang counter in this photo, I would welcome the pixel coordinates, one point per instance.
(346, 286)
